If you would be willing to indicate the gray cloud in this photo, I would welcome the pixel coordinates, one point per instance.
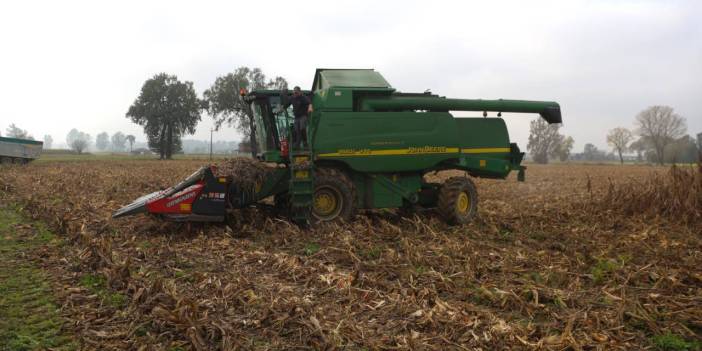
(81, 64)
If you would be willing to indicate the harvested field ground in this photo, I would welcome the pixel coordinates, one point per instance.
(552, 263)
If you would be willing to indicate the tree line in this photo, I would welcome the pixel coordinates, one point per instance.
(79, 141)
(117, 142)
(168, 108)
(660, 136)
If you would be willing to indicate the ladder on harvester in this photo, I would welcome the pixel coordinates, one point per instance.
(301, 186)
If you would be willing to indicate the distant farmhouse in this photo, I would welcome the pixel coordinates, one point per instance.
(142, 151)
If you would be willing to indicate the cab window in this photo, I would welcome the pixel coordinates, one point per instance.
(261, 129)
(280, 118)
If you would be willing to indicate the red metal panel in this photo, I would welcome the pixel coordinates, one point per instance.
(180, 202)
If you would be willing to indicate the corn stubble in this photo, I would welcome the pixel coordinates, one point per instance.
(676, 194)
(577, 257)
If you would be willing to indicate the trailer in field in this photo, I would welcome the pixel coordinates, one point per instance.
(13, 150)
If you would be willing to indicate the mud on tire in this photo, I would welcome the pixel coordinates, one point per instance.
(458, 200)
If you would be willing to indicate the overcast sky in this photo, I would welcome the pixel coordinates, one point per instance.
(66, 64)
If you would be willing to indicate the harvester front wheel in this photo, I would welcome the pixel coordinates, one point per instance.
(458, 200)
(333, 197)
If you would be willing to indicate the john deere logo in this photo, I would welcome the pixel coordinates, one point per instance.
(426, 149)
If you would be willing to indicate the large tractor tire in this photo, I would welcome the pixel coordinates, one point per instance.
(458, 200)
(334, 196)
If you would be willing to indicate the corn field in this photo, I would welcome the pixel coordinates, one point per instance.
(577, 257)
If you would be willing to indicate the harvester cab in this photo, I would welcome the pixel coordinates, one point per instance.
(370, 147)
(271, 124)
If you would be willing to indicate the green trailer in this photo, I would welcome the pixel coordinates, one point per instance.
(370, 147)
(14, 150)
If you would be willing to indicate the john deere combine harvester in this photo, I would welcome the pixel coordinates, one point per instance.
(370, 147)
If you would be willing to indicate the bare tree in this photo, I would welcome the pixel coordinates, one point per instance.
(78, 145)
(661, 126)
(102, 141)
(640, 146)
(592, 153)
(130, 139)
(545, 141)
(564, 148)
(619, 138)
(48, 141)
(118, 141)
(78, 140)
(14, 131)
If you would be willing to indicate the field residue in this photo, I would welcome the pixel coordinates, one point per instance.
(550, 263)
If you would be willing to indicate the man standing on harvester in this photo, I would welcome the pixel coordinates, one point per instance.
(302, 107)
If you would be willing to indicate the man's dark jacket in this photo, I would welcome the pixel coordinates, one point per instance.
(300, 105)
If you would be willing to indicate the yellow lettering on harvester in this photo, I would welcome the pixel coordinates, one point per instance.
(354, 152)
(427, 150)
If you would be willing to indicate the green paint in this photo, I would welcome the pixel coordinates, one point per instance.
(363, 125)
(21, 141)
(301, 187)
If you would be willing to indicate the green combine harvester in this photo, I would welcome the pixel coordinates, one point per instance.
(370, 147)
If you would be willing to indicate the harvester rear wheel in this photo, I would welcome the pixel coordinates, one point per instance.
(458, 200)
(334, 196)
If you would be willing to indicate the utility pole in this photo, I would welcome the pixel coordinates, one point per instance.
(211, 131)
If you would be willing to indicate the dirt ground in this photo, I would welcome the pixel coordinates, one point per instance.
(548, 264)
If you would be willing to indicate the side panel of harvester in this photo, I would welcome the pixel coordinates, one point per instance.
(387, 153)
(485, 148)
(409, 141)
(386, 141)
